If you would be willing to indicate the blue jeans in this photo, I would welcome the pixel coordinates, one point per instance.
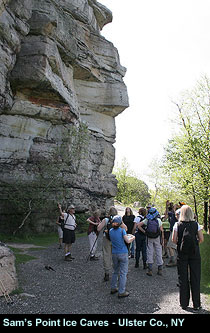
(120, 266)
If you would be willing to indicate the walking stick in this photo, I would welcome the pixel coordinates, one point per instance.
(5, 293)
(92, 247)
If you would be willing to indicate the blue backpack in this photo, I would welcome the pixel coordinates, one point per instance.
(153, 229)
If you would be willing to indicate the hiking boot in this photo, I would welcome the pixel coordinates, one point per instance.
(114, 291)
(149, 272)
(136, 265)
(171, 263)
(125, 294)
(160, 271)
(68, 258)
(106, 277)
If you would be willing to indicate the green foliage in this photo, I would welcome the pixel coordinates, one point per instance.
(205, 265)
(130, 188)
(187, 155)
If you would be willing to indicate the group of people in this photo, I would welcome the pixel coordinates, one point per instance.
(146, 231)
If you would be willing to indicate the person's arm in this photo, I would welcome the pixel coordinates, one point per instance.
(124, 226)
(140, 227)
(200, 236)
(174, 236)
(92, 222)
(59, 207)
(129, 239)
(101, 225)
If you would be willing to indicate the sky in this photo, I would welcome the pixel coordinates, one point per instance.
(165, 46)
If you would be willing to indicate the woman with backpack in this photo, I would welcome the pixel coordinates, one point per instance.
(187, 234)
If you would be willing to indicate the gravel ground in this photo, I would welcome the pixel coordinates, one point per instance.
(77, 287)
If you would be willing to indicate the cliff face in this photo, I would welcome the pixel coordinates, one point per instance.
(61, 87)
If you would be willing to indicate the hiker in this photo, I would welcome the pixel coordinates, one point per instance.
(118, 238)
(68, 230)
(59, 222)
(154, 233)
(93, 233)
(177, 211)
(140, 238)
(171, 246)
(187, 234)
(106, 225)
(128, 220)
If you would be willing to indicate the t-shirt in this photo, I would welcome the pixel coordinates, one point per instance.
(137, 220)
(129, 220)
(118, 242)
(70, 223)
(176, 226)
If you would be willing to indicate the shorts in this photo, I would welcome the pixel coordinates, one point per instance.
(68, 236)
(60, 232)
(170, 243)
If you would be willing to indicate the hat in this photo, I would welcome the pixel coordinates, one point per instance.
(117, 219)
(153, 213)
(71, 207)
(149, 206)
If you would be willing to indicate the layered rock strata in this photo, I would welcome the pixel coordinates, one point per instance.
(61, 87)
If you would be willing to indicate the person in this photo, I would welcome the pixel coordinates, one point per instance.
(68, 230)
(187, 234)
(178, 209)
(140, 238)
(128, 220)
(93, 221)
(106, 225)
(171, 209)
(60, 231)
(118, 237)
(154, 233)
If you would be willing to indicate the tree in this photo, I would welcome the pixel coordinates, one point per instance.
(130, 188)
(188, 152)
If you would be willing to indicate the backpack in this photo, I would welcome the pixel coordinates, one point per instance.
(108, 227)
(153, 229)
(188, 242)
(62, 222)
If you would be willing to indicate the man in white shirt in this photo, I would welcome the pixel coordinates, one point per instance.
(68, 230)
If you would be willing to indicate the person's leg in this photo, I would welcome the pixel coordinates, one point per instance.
(195, 275)
(137, 240)
(184, 288)
(123, 260)
(116, 268)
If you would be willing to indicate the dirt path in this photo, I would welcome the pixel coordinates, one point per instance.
(77, 287)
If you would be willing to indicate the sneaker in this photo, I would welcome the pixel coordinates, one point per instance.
(196, 309)
(125, 294)
(94, 258)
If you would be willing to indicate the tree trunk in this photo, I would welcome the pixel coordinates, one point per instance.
(205, 216)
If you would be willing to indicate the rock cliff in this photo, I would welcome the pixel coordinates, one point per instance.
(61, 87)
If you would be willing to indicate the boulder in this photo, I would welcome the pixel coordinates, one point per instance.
(8, 277)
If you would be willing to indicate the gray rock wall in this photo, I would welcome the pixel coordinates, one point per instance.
(61, 87)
